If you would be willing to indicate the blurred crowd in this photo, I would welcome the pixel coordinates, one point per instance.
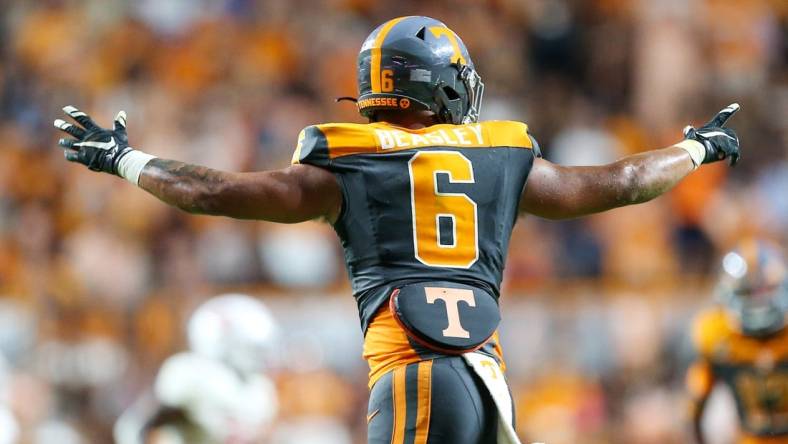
(97, 278)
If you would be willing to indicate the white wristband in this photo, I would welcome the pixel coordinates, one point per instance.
(131, 165)
(695, 149)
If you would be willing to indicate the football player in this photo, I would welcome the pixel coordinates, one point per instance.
(215, 393)
(423, 198)
(743, 344)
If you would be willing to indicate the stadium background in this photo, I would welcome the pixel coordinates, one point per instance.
(97, 278)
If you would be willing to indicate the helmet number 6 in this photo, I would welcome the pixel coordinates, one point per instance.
(445, 230)
(387, 80)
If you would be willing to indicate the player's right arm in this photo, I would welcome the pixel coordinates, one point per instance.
(293, 194)
(560, 192)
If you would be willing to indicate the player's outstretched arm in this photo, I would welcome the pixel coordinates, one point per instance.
(293, 194)
(560, 192)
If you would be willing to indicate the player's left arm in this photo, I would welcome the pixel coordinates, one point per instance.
(294, 194)
(559, 192)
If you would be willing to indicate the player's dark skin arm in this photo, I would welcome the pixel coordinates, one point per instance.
(303, 192)
(561, 192)
(294, 194)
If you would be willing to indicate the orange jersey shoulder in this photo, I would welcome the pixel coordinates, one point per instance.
(717, 338)
(711, 329)
(332, 140)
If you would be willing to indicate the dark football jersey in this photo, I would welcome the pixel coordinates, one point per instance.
(437, 203)
(755, 369)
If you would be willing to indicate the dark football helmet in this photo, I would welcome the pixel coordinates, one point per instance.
(754, 287)
(417, 63)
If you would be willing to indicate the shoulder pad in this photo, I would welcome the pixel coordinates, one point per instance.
(709, 329)
(507, 133)
(312, 147)
(319, 144)
(535, 146)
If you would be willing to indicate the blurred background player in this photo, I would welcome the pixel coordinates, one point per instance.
(743, 344)
(215, 393)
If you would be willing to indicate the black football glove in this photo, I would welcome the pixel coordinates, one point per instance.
(98, 148)
(720, 142)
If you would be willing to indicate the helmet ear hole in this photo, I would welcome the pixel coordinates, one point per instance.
(451, 93)
(448, 105)
(421, 33)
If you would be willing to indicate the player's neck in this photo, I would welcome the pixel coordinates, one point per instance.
(415, 120)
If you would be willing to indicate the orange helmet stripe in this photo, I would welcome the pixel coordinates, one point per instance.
(441, 31)
(374, 71)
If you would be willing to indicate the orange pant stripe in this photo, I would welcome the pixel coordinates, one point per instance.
(399, 395)
(423, 403)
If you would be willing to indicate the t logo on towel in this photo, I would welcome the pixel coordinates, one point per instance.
(452, 297)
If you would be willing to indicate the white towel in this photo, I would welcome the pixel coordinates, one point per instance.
(487, 368)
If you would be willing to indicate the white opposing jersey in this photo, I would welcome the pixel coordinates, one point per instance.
(230, 407)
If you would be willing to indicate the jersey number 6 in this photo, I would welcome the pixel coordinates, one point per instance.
(444, 224)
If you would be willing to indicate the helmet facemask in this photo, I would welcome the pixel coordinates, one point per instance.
(760, 312)
(755, 294)
(449, 105)
(475, 87)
